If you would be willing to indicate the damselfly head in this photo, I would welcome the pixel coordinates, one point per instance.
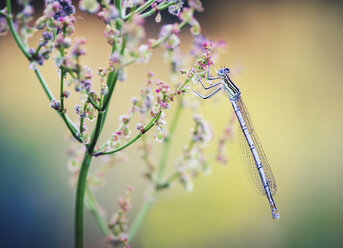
(223, 71)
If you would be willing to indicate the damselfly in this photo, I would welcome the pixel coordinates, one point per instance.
(251, 150)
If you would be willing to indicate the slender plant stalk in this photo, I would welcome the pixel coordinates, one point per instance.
(14, 32)
(139, 219)
(167, 142)
(164, 156)
(82, 180)
(160, 7)
(146, 129)
(140, 9)
(102, 113)
(71, 126)
(91, 205)
(79, 200)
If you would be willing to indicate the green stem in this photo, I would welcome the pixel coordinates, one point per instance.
(79, 200)
(146, 129)
(160, 7)
(69, 123)
(82, 180)
(163, 39)
(139, 219)
(155, 44)
(62, 89)
(95, 105)
(118, 5)
(164, 155)
(82, 119)
(140, 9)
(14, 32)
(166, 147)
(92, 207)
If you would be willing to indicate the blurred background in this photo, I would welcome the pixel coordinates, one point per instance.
(290, 59)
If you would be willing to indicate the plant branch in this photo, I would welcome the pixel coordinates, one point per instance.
(91, 205)
(156, 44)
(79, 200)
(146, 129)
(139, 10)
(94, 104)
(14, 32)
(166, 146)
(69, 123)
(139, 219)
(160, 7)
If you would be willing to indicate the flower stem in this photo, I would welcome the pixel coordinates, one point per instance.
(166, 147)
(161, 6)
(92, 207)
(139, 218)
(146, 129)
(140, 9)
(69, 123)
(82, 180)
(79, 200)
(14, 32)
(164, 155)
(62, 89)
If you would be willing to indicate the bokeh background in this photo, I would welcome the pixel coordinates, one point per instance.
(288, 57)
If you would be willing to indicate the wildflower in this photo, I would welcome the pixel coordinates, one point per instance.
(196, 4)
(202, 132)
(140, 127)
(175, 8)
(115, 58)
(77, 50)
(62, 8)
(195, 27)
(66, 94)
(89, 6)
(36, 57)
(56, 105)
(184, 71)
(144, 53)
(47, 35)
(104, 89)
(173, 42)
(80, 111)
(118, 221)
(108, 14)
(86, 139)
(168, 29)
(186, 15)
(114, 141)
(3, 25)
(62, 42)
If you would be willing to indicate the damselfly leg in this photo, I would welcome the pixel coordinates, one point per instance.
(211, 85)
(208, 96)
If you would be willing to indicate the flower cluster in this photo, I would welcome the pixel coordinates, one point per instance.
(3, 23)
(192, 161)
(176, 8)
(118, 222)
(124, 30)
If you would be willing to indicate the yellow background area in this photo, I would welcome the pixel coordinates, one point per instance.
(287, 58)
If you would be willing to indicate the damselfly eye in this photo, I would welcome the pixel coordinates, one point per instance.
(221, 71)
(227, 70)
